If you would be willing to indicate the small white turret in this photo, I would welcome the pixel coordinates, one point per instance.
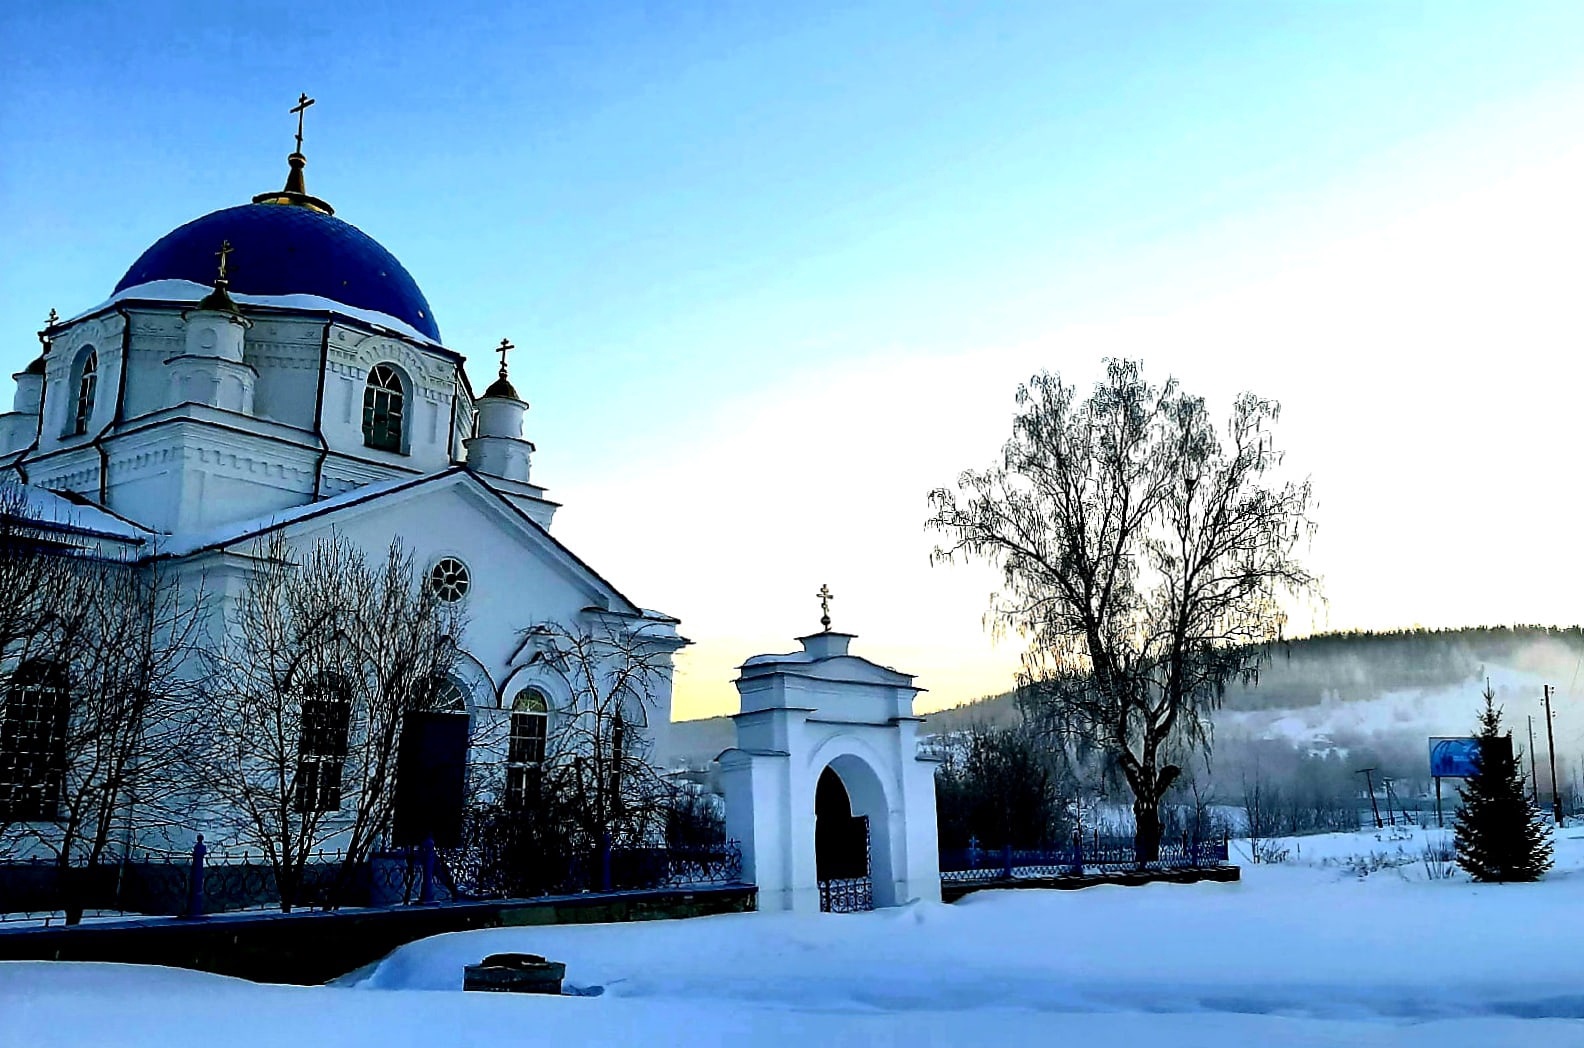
(210, 369)
(498, 449)
(20, 425)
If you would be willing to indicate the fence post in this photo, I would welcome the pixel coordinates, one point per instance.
(605, 861)
(195, 881)
(973, 853)
(1006, 861)
(1078, 858)
(426, 894)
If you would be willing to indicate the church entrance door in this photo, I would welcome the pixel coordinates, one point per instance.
(841, 849)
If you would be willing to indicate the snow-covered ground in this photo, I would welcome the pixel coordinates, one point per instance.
(1347, 942)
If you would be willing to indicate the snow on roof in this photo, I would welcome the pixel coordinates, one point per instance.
(188, 291)
(229, 534)
(791, 656)
(61, 512)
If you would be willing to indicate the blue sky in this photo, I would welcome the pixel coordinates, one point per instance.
(676, 207)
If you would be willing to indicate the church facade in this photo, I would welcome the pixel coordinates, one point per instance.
(269, 369)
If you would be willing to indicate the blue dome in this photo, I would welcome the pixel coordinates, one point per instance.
(281, 249)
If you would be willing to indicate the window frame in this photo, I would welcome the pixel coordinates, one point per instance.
(324, 732)
(87, 392)
(33, 748)
(386, 386)
(527, 742)
(435, 583)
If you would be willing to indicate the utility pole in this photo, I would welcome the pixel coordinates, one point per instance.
(1370, 785)
(1556, 798)
(1534, 777)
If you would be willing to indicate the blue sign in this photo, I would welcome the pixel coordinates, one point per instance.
(1453, 758)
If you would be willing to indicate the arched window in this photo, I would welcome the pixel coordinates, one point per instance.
(33, 743)
(525, 752)
(382, 409)
(87, 384)
(322, 743)
(450, 697)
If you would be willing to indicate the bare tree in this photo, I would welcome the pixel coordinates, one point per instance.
(577, 783)
(597, 760)
(323, 657)
(95, 658)
(133, 721)
(1143, 555)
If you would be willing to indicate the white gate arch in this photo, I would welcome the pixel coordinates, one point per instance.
(824, 708)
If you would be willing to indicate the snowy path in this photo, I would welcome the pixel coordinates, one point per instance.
(1302, 953)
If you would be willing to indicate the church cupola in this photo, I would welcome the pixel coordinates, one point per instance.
(498, 448)
(210, 369)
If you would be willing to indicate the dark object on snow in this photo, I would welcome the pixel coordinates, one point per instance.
(1500, 836)
(514, 973)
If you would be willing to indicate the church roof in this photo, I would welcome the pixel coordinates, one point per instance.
(502, 388)
(280, 249)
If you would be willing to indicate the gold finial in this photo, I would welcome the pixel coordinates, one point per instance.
(220, 299)
(303, 102)
(825, 597)
(296, 191)
(504, 348)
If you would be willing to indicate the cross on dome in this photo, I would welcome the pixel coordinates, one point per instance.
(220, 298)
(825, 597)
(303, 102)
(502, 387)
(296, 191)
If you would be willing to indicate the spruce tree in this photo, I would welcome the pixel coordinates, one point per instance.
(1500, 836)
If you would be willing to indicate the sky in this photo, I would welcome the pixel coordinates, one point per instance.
(777, 269)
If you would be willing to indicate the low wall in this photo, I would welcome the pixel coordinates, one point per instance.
(951, 891)
(313, 948)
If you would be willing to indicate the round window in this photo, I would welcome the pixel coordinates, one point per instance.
(448, 579)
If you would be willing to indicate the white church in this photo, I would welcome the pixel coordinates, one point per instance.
(269, 369)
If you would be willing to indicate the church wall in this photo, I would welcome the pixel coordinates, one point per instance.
(103, 335)
(429, 388)
(512, 587)
(285, 353)
(157, 336)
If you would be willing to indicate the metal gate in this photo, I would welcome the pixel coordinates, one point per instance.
(850, 894)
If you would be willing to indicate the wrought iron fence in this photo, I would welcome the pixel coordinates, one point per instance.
(1092, 853)
(201, 883)
(514, 867)
(846, 895)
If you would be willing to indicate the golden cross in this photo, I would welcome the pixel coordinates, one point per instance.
(303, 102)
(825, 596)
(225, 249)
(504, 348)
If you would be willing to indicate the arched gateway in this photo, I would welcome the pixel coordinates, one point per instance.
(825, 789)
